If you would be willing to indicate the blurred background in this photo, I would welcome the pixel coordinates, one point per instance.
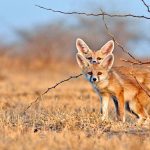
(37, 50)
(35, 38)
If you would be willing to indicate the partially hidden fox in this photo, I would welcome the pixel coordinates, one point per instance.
(109, 82)
(91, 55)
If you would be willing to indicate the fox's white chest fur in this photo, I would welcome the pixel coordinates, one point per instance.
(101, 87)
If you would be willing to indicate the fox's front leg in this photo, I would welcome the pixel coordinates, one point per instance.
(121, 106)
(104, 106)
(101, 108)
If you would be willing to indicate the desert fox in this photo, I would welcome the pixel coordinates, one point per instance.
(91, 55)
(109, 82)
(96, 57)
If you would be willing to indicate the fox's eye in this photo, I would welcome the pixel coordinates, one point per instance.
(90, 73)
(99, 73)
(98, 58)
(89, 58)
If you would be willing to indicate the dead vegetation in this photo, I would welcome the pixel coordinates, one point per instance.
(68, 117)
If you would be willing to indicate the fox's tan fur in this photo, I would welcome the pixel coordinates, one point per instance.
(142, 75)
(109, 82)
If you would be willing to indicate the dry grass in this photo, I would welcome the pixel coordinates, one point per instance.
(66, 118)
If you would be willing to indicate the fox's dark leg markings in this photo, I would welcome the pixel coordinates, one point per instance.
(127, 107)
(101, 109)
(116, 104)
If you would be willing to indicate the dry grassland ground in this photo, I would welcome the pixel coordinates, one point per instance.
(66, 118)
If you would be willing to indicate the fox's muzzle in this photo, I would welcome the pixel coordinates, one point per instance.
(94, 79)
(94, 62)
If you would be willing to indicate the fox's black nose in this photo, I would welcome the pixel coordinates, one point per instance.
(94, 62)
(94, 79)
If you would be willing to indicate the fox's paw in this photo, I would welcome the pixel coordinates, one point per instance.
(140, 121)
(104, 118)
(120, 119)
(147, 123)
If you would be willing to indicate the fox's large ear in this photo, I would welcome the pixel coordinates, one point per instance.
(108, 62)
(107, 48)
(81, 46)
(82, 62)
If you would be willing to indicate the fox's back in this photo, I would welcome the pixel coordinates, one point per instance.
(142, 75)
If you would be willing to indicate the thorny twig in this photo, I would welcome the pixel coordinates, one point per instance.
(50, 88)
(113, 38)
(137, 61)
(93, 14)
(140, 85)
(148, 8)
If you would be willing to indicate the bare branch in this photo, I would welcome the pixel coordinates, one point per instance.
(141, 86)
(118, 44)
(103, 14)
(138, 62)
(50, 88)
(148, 8)
(93, 14)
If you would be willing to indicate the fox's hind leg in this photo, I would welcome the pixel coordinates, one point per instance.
(137, 108)
(115, 100)
(121, 107)
(128, 108)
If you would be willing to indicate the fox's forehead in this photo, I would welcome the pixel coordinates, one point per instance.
(93, 53)
(96, 54)
(95, 68)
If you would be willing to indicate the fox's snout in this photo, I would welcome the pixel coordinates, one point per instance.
(94, 62)
(94, 79)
